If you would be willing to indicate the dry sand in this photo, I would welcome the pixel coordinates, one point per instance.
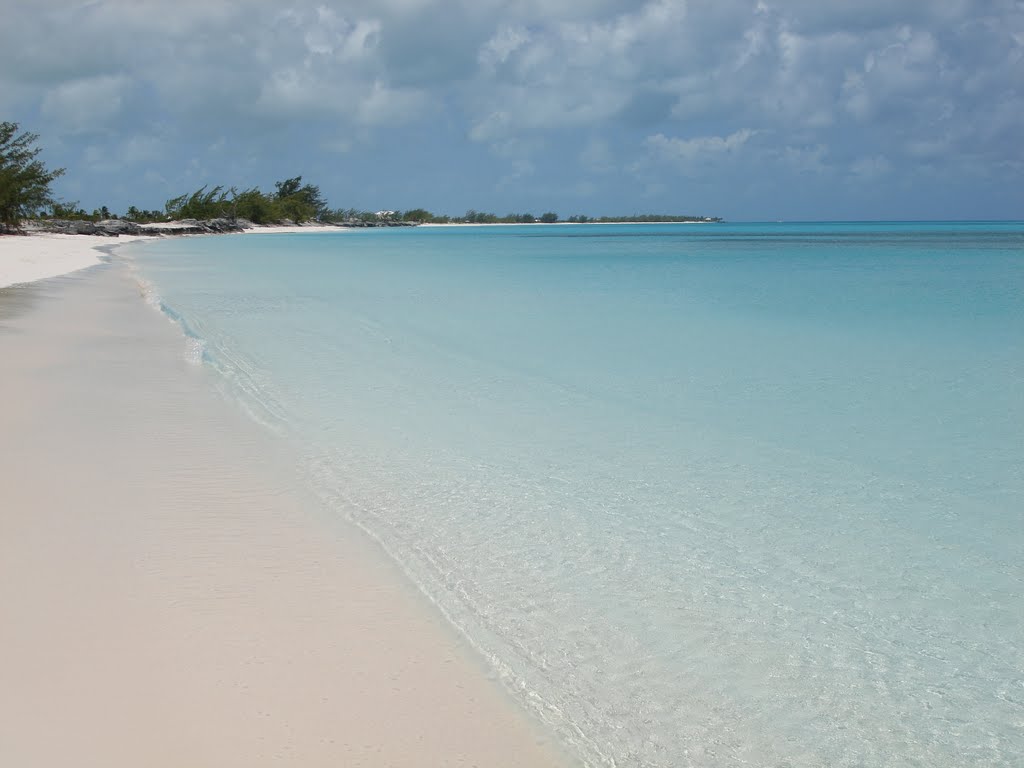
(168, 595)
(310, 228)
(25, 258)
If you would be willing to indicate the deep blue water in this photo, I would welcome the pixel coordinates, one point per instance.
(710, 495)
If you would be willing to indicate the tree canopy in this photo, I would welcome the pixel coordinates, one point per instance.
(293, 200)
(24, 180)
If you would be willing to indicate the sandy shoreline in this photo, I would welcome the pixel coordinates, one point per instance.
(170, 597)
(26, 258)
(554, 223)
(308, 229)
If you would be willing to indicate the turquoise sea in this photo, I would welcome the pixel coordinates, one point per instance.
(701, 495)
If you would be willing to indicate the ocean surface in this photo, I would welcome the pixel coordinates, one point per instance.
(701, 495)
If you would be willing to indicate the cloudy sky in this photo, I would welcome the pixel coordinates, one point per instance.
(747, 109)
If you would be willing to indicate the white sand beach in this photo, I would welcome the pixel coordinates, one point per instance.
(24, 259)
(169, 595)
(302, 228)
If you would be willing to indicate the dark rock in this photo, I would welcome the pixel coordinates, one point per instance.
(116, 227)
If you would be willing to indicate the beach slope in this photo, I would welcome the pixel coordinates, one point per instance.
(169, 596)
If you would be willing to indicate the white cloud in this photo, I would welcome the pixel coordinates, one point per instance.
(81, 106)
(326, 33)
(491, 126)
(505, 42)
(383, 105)
(129, 153)
(571, 72)
(909, 67)
(702, 148)
(550, 87)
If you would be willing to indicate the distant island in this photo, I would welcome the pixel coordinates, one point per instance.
(421, 216)
(25, 196)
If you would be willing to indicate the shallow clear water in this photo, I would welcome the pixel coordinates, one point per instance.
(707, 495)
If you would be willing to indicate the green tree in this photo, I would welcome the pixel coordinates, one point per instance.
(71, 210)
(288, 187)
(253, 205)
(479, 217)
(549, 218)
(299, 202)
(24, 180)
(419, 215)
(199, 205)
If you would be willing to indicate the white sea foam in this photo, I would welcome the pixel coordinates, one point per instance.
(149, 292)
(194, 350)
(195, 347)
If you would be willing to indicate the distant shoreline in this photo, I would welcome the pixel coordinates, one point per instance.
(38, 254)
(555, 223)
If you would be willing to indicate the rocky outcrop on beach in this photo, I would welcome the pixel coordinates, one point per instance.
(195, 227)
(116, 227)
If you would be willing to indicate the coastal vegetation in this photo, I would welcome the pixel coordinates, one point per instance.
(294, 202)
(24, 179)
(25, 194)
(291, 201)
(422, 216)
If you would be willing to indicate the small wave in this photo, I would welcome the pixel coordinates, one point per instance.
(195, 350)
(195, 344)
(507, 663)
(237, 377)
(148, 291)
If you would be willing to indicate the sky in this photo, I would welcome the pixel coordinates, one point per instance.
(753, 110)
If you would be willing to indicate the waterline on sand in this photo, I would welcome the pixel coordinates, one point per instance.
(172, 596)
